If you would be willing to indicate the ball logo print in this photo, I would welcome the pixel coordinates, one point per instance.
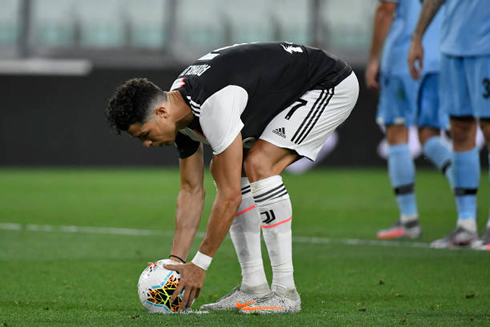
(162, 295)
(156, 286)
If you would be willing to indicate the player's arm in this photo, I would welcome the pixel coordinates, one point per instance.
(226, 171)
(190, 203)
(416, 52)
(382, 23)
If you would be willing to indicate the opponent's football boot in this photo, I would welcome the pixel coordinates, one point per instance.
(460, 237)
(237, 299)
(279, 300)
(484, 242)
(409, 229)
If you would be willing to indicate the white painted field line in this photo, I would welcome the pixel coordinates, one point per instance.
(150, 232)
(85, 230)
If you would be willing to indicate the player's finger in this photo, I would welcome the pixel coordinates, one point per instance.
(368, 81)
(371, 81)
(416, 72)
(411, 59)
(410, 62)
(177, 291)
(413, 69)
(198, 292)
(190, 299)
(171, 267)
(413, 73)
(367, 78)
(185, 300)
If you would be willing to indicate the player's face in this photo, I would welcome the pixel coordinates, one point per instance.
(157, 132)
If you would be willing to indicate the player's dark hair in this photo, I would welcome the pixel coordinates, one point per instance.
(131, 103)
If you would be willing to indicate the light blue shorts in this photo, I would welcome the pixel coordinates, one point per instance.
(465, 86)
(404, 101)
(430, 112)
(397, 100)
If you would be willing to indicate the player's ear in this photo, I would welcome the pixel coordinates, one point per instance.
(161, 112)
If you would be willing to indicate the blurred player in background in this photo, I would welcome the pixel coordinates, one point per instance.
(404, 102)
(465, 93)
(260, 107)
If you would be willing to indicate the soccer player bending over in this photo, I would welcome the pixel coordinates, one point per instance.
(260, 107)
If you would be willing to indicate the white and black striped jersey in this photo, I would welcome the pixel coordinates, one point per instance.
(241, 88)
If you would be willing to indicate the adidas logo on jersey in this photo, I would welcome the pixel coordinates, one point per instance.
(281, 131)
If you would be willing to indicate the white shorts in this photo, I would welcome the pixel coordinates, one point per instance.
(306, 124)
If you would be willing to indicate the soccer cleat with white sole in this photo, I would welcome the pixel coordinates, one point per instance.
(460, 237)
(237, 299)
(410, 229)
(279, 300)
(484, 242)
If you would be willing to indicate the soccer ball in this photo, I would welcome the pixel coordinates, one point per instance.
(156, 286)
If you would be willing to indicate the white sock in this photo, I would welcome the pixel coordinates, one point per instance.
(245, 235)
(468, 224)
(408, 218)
(272, 200)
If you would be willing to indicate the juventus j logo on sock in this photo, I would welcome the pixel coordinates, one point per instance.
(269, 216)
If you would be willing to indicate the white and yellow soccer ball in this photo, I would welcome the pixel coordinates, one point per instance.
(156, 286)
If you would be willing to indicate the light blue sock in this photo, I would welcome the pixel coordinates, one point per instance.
(466, 179)
(440, 155)
(402, 177)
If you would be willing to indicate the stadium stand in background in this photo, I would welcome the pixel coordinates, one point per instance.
(143, 32)
(59, 49)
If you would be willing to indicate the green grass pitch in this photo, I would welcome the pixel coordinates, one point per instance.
(51, 275)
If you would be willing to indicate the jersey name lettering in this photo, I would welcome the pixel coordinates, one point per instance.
(197, 70)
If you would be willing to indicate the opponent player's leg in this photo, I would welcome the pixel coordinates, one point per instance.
(396, 111)
(431, 119)
(465, 159)
(484, 242)
(436, 150)
(480, 97)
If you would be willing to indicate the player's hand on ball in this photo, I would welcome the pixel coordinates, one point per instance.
(191, 281)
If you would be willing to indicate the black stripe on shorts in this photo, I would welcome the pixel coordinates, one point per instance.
(318, 115)
(312, 111)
